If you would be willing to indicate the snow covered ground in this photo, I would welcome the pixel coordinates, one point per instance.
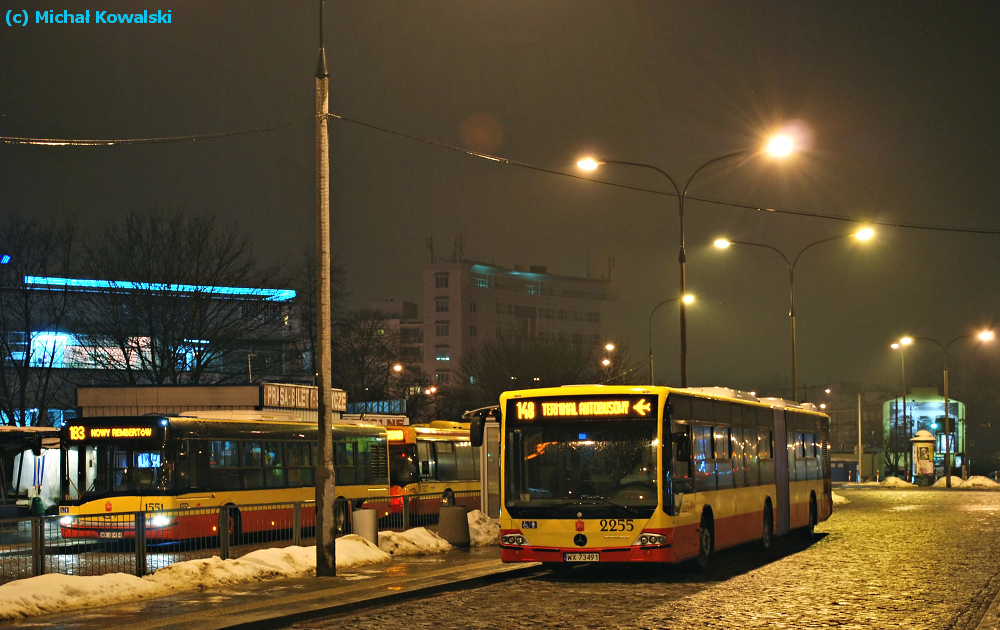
(56, 593)
(840, 500)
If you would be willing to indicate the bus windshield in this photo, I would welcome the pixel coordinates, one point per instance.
(605, 467)
(120, 469)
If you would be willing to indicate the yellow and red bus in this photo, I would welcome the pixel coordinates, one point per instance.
(180, 468)
(436, 463)
(655, 474)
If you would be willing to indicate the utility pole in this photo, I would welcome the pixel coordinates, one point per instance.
(326, 481)
(861, 448)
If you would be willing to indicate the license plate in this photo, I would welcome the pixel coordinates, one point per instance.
(582, 557)
(109, 534)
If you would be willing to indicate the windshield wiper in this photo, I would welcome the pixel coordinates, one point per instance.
(625, 508)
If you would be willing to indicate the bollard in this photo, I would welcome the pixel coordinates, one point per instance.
(140, 544)
(453, 525)
(224, 532)
(406, 512)
(366, 525)
(297, 524)
(38, 546)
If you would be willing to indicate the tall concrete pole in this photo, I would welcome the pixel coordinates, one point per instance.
(861, 448)
(326, 478)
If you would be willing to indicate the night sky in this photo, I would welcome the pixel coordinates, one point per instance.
(900, 100)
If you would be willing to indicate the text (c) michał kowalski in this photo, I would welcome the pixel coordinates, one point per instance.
(102, 17)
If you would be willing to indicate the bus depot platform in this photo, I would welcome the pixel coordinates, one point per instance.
(280, 602)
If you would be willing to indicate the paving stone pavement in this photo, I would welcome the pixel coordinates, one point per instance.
(921, 558)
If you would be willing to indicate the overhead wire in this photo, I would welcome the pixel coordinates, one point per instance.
(668, 193)
(92, 142)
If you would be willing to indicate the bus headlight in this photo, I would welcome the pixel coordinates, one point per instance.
(651, 539)
(160, 521)
(66, 521)
(517, 540)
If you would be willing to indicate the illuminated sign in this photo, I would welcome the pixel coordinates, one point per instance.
(394, 435)
(79, 434)
(582, 408)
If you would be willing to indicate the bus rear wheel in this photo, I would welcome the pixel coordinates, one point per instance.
(704, 542)
(341, 518)
(767, 532)
(809, 531)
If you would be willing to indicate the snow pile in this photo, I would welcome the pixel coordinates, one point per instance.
(979, 482)
(896, 482)
(52, 593)
(956, 482)
(418, 541)
(840, 500)
(482, 531)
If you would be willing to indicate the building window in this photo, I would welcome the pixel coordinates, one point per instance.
(441, 328)
(442, 353)
(472, 331)
(441, 378)
(441, 280)
(472, 306)
(441, 305)
(532, 289)
(593, 317)
(480, 282)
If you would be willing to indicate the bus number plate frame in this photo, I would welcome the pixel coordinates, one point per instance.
(109, 534)
(582, 557)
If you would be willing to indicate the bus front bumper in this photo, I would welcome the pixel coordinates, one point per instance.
(646, 553)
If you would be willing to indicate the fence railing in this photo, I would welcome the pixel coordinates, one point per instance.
(139, 543)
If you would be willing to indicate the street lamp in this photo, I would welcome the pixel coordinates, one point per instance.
(986, 335)
(862, 235)
(685, 299)
(905, 341)
(778, 147)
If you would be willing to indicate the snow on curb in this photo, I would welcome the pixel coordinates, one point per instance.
(53, 593)
(482, 531)
(896, 482)
(840, 500)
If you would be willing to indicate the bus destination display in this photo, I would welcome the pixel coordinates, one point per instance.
(583, 408)
(86, 434)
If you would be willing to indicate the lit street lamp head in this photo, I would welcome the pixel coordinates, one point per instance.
(780, 146)
(722, 243)
(687, 299)
(588, 164)
(864, 234)
(397, 367)
(606, 362)
(894, 346)
(986, 335)
(609, 347)
(906, 341)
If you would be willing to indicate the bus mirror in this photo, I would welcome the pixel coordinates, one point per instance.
(476, 431)
(683, 447)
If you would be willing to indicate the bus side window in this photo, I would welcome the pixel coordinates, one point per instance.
(447, 463)
(274, 464)
(425, 455)
(466, 467)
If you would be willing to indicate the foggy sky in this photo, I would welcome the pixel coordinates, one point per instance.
(900, 99)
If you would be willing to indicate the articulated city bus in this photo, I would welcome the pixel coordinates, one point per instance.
(655, 474)
(163, 464)
(434, 461)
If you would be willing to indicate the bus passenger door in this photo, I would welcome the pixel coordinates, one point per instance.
(780, 473)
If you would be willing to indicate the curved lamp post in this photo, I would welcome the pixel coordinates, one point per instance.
(863, 235)
(685, 299)
(779, 147)
(986, 335)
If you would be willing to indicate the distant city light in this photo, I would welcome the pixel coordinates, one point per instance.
(827, 390)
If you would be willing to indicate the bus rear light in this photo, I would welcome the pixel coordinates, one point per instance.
(651, 539)
(514, 539)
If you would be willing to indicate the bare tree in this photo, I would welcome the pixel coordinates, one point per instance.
(166, 313)
(32, 320)
(365, 349)
(303, 280)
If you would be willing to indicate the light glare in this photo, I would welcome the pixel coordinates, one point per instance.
(687, 299)
(722, 243)
(864, 234)
(781, 146)
(987, 335)
(588, 164)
